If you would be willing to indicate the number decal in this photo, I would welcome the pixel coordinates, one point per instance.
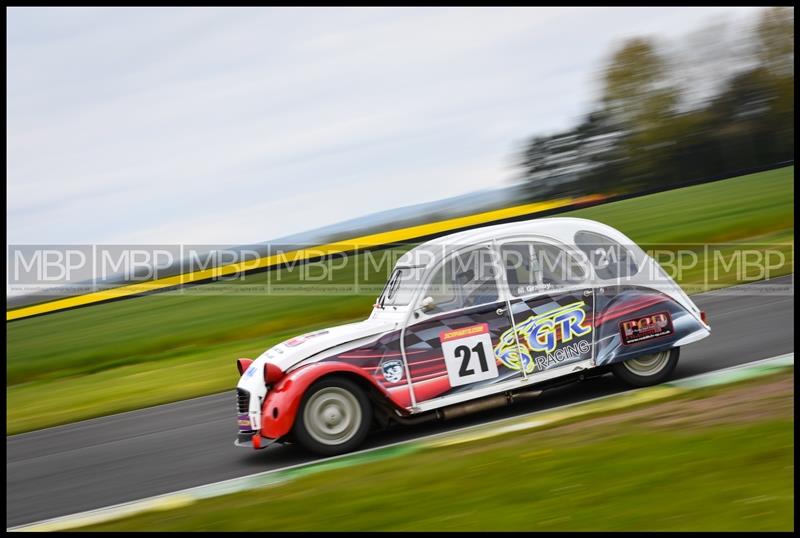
(464, 353)
(481, 356)
(468, 354)
(603, 257)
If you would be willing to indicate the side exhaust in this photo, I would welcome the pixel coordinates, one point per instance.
(484, 404)
(467, 408)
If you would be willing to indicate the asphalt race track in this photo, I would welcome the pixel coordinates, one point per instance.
(110, 460)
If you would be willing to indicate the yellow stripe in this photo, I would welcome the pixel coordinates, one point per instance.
(367, 241)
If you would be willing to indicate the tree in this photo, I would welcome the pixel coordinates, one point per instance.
(774, 51)
(637, 91)
(775, 41)
(645, 134)
(639, 98)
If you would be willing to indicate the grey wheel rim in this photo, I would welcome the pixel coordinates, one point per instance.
(648, 365)
(332, 416)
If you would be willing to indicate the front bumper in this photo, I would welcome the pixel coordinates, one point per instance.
(253, 440)
(247, 437)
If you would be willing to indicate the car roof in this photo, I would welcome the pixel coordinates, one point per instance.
(561, 229)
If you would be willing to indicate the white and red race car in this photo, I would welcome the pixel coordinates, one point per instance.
(470, 321)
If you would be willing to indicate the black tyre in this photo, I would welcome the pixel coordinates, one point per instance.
(334, 417)
(647, 370)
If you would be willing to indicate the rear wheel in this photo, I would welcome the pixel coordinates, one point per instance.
(334, 417)
(646, 370)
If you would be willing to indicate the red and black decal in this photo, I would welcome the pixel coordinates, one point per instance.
(646, 328)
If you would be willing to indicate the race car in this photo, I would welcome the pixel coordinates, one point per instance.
(470, 321)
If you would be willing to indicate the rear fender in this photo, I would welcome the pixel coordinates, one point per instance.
(630, 304)
(280, 407)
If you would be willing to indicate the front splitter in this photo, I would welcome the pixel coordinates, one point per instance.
(257, 441)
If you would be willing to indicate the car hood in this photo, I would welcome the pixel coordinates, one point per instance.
(290, 352)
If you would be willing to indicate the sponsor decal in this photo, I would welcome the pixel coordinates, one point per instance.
(250, 371)
(296, 341)
(544, 334)
(244, 422)
(568, 352)
(533, 288)
(465, 332)
(392, 370)
(646, 328)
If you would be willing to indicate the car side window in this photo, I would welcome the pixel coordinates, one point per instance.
(466, 279)
(610, 259)
(535, 266)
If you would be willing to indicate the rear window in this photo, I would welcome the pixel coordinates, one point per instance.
(610, 259)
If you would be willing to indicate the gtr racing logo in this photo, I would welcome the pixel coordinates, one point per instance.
(541, 334)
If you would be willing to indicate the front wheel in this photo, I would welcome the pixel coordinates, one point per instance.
(646, 370)
(334, 417)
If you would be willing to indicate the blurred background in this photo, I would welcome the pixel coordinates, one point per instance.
(152, 128)
(248, 128)
(717, 102)
(239, 126)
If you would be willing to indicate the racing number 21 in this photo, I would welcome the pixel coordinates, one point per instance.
(468, 354)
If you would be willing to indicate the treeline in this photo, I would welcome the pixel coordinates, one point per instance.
(714, 106)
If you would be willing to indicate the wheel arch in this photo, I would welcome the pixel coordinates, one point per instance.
(629, 302)
(282, 403)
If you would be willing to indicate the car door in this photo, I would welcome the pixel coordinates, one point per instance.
(552, 304)
(449, 342)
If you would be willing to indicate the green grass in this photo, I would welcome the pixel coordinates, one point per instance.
(91, 361)
(725, 211)
(733, 475)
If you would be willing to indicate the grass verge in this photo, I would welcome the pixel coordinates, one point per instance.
(78, 364)
(717, 459)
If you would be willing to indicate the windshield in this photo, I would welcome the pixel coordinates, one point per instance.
(400, 287)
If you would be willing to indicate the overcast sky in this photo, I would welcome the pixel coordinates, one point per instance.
(243, 125)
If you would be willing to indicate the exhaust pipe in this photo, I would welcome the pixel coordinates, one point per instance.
(467, 408)
(484, 404)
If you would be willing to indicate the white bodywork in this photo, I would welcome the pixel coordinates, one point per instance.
(291, 352)
(318, 345)
(562, 230)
